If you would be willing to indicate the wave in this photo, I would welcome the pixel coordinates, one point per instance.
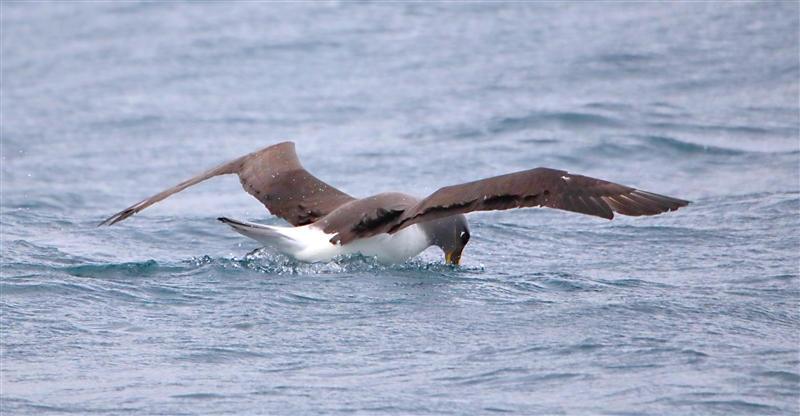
(661, 143)
(567, 119)
(131, 269)
(661, 146)
(38, 260)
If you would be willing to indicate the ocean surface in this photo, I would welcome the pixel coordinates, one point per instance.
(170, 312)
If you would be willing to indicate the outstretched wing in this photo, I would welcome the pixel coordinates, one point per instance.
(275, 177)
(540, 187)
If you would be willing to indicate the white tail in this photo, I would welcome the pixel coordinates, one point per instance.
(267, 235)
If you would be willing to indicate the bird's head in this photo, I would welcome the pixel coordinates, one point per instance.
(450, 234)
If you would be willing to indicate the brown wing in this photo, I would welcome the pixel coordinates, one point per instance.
(275, 177)
(537, 187)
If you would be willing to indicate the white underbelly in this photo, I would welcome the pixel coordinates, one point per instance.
(387, 249)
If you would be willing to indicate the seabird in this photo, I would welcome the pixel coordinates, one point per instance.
(394, 227)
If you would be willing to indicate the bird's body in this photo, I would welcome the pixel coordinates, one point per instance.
(394, 226)
(310, 244)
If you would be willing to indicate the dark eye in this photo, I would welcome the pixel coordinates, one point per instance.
(464, 237)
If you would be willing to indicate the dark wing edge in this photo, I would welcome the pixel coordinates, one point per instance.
(540, 187)
(135, 208)
(272, 175)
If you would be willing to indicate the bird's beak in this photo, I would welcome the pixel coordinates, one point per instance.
(453, 257)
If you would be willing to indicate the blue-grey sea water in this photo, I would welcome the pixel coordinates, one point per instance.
(170, 312)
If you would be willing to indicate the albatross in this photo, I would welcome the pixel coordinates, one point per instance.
(393, 226)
